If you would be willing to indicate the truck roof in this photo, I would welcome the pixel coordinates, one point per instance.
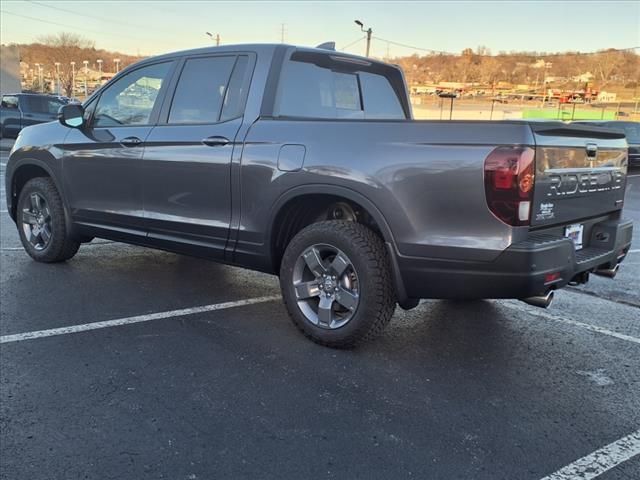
(259, 48)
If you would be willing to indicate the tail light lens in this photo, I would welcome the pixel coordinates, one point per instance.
(509, 175)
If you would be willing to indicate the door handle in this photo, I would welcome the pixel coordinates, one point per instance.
(131, 141)
(215, 141)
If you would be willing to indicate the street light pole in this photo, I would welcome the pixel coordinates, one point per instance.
(57, 65)
(73, 78)
(37, 65)
(86, 72)
(369, 32)
(100, 67)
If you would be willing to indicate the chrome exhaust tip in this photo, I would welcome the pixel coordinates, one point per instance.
(542, 301)
(608, 272)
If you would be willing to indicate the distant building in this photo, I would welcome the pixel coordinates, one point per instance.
(607, 97)
(9, 69)
(584, 77)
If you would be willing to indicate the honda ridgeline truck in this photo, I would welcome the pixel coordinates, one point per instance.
(306, 163)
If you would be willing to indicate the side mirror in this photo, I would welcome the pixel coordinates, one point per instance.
(71, 115)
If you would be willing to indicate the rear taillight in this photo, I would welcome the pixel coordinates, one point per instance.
(509, 174)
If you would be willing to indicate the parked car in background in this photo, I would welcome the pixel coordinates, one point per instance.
(20, 110)
(631, 131)
(307, 163)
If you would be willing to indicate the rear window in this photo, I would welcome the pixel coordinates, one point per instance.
(335, 91)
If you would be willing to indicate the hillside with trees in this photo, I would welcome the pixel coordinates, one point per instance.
(65, 48)
(604, 69)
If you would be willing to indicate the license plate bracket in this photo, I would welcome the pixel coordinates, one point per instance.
(575, 233)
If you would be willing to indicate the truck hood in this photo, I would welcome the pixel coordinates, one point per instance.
(43, 135)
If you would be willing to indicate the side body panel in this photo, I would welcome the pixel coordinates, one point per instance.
(187, 186)
(425, 178)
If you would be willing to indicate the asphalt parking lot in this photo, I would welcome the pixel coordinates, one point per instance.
(197, 373)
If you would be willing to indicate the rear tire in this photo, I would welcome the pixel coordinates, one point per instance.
(41, 222)
(336, 283)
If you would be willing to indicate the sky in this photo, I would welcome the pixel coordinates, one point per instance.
(148, 27)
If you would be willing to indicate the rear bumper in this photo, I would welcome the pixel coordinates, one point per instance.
(521, 270)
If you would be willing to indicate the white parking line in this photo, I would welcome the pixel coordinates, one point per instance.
(19, 337)
(557, 318)
(92, 244)
(600, 461)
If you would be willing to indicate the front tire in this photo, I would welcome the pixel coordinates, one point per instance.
(336, 283)
(41, 222)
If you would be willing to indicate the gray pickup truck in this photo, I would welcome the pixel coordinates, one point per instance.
(306, 163)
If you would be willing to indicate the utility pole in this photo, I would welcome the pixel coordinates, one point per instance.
(368, 32)
(282, 33)
(100, 67)
(73, 79)
(117, 62)
(216, 38)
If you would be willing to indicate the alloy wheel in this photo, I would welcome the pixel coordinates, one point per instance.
(326, 286)
(36, 222)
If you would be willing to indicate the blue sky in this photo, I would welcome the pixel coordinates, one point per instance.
(152, 27)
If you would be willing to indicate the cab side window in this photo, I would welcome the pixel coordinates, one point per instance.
(201, 90)
(131, 99)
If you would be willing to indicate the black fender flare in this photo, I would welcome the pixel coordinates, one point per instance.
(364, 202)
(44, 165)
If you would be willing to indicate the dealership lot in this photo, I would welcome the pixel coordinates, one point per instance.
(197, 372)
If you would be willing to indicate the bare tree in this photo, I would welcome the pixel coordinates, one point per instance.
(65, 48)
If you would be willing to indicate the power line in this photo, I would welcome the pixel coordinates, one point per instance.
(442, 52)
(430, 50)
(352, 43)
(102, 19)
(65, 25)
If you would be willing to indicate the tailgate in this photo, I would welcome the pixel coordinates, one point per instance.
(580, 173)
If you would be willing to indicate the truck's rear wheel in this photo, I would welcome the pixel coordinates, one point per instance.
(336, 283)
(41, 222)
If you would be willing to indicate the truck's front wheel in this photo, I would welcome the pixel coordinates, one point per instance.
(336, 283)
(42, 224)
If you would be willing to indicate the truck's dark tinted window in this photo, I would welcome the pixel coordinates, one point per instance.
(201, 89)
(10, 101)
(130, 99)
(308, 90)
(233, 101)
(43, 104)
(380, 101)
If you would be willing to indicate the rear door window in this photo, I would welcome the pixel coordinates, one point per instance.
(202, 90)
